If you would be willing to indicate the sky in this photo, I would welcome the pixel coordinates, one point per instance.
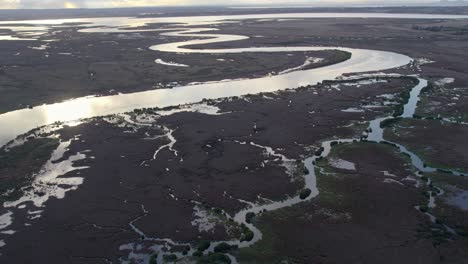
(12, 4)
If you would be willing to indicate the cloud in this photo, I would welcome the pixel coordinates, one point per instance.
(54, 3)
(9, 4)
(97, 3)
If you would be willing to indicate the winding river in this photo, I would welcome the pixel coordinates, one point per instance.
(18, 122)
(375, 135)
(362, 60)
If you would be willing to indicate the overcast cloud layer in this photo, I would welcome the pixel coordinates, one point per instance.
(8, 4)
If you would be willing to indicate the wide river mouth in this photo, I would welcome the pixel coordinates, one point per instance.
(21, 121)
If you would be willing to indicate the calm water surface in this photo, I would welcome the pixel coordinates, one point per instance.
(20, 121)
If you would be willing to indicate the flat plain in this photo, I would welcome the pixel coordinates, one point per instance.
(289, 176)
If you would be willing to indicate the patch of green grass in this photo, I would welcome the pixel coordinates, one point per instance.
(462, 30)
(441, 179)
(327, 176)
(436, 232)
(327, 194)
(446, 212)
(426, 154)
(269, 249)
(263, 252)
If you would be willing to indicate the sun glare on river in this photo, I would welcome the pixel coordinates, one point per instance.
(70, 111)
(69, 5)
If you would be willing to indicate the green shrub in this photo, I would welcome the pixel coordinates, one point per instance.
(204, 245)
(305, 193)
(389, 122)
(170, 258)
(224, 247)
(180, 248)
(389, 143)
(153, 259)
(423, 208)
(247, 236)
(462, 232)
(218, 210)
(249, 216)
(428, 88)
(399, 109)
(319, 151)
(215, 258)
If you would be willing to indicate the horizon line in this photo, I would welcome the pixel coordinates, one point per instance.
(265, 6)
